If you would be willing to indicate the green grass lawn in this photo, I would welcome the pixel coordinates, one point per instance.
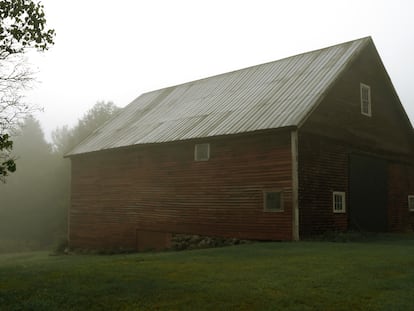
(373, 275)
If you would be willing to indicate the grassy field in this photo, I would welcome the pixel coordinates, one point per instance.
(372, 275)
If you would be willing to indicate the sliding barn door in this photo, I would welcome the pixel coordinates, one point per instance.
(368, 193)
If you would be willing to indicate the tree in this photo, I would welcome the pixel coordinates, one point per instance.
(65, 139)
(22, 28)
(6, 163)
(28, 208)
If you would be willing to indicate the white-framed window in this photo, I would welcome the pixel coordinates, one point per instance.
(365, 99)
(411, 203)
(273, 200)
(338, 202)
(202, 152)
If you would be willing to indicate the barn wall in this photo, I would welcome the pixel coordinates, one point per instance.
(336, 129)
(338, 116)
(323, 168)
(119, 194)
(400, 185)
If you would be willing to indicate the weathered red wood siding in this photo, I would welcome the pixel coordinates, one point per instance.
(335, 129)
(323, 168)
(160, 188)
(400, 185)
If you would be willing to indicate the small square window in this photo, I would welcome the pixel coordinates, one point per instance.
(411, 203)
(366, 100)
(202, 152)
(338, 202)
(273, 201)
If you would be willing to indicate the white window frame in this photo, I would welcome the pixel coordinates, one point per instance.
(199, 155)
(365, 88)
(411, 202)
(342, 202)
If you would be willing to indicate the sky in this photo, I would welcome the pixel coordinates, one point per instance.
(109, 50)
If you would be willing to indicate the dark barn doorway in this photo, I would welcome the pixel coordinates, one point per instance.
(367, 193)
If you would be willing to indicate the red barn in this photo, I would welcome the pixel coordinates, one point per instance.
(310, 143)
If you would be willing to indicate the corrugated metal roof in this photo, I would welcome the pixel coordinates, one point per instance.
(272, 95)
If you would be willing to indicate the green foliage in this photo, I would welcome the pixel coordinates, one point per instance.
(6, 164)
(378, 275)
(23, 25)
(5, 143)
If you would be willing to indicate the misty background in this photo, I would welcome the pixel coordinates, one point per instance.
(35, 198)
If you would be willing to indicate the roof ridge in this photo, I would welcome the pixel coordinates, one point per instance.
(367, 38)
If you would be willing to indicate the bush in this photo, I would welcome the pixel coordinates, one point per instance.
(61, 246)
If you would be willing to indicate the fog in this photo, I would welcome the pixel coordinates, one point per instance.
(35, 199)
